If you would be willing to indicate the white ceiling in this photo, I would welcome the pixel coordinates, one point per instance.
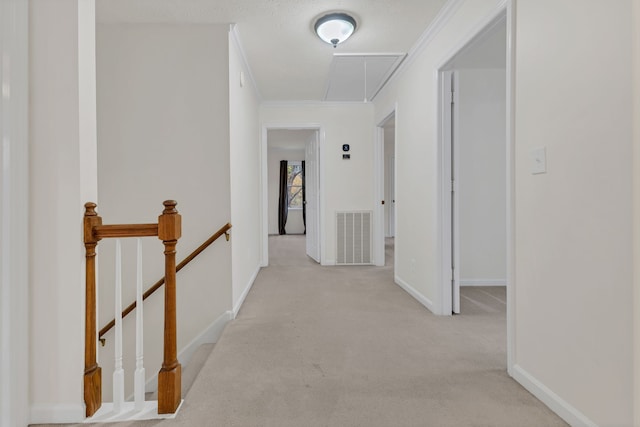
(288, 61)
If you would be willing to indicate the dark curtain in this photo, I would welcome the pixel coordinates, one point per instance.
(283, 202)
(304, 199)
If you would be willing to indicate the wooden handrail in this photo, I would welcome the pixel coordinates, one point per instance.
(224, 230)
(125, 230)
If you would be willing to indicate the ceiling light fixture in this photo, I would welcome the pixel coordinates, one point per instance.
(335, 28)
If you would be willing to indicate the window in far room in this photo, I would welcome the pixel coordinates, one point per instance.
(294, 184)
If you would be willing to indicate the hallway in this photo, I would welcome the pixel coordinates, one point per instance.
(344, 346)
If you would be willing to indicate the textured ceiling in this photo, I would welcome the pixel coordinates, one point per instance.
(288, 61)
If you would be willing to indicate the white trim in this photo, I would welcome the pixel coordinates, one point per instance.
(14, 214)
(379, 187)
(264, 199)
(311, 103)
(444, 216)
(443, 17)
(52, 413)
(149, 411)
(210, 335)
(243, 296)
(414, 293)
(511, 192)
(483, 282)
(493, 18)
(558, 405)
(455, 140)
(378, 195)
(264, 183)
(237, 41)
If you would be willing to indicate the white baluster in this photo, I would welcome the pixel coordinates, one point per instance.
(139, 375)
(118, 373)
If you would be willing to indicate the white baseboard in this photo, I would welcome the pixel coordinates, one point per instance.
(244, 294)
(414, 293)
(563, 409)
(208, 336)
(483, 282)
(329, 262)
(60, 413)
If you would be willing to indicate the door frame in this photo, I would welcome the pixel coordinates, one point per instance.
(505, 11)
(379, 183)
(264, 185)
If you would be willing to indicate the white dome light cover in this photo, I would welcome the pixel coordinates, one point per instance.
(335, 28)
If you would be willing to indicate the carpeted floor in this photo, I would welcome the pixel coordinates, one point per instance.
(345, 346)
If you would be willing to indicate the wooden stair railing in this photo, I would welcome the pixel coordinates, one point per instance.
(168, 229)
(224, 230)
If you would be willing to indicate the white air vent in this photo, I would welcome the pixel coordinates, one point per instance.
(353, 237)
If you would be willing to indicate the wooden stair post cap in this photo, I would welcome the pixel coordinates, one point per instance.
(170, 207)
(170, 222)
(90, 209)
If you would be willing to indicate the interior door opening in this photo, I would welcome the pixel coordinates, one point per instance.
(474, 169)
(385, 197)
(291, 187)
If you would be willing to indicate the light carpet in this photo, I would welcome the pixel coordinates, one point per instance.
(345, 346)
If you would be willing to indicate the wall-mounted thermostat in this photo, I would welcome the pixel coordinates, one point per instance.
(345, 147)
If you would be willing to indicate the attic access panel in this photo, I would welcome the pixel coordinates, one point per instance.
(359, 77)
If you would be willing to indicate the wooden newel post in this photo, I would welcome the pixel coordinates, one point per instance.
(169, 378)
(92, 372)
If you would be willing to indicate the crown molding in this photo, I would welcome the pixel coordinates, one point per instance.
(237, 41)
(443, 17)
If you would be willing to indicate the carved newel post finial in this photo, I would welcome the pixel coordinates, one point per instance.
(90, 209)
(170, 207)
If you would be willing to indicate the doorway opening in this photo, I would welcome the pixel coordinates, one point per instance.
(291, 187)
(476, 169)
(385, 194)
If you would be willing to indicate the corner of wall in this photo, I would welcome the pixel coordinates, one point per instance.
(558, 405)
(416, 294)
(238, 304)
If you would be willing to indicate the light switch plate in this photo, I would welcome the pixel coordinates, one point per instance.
(538, 162)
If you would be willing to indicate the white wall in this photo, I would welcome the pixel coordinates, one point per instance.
(573, 269)
(62, 178)
(294, 217)
(163, 114)
(417, 156)
(347, 184)
(574, 261)
(482, 188)
(245, 173)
